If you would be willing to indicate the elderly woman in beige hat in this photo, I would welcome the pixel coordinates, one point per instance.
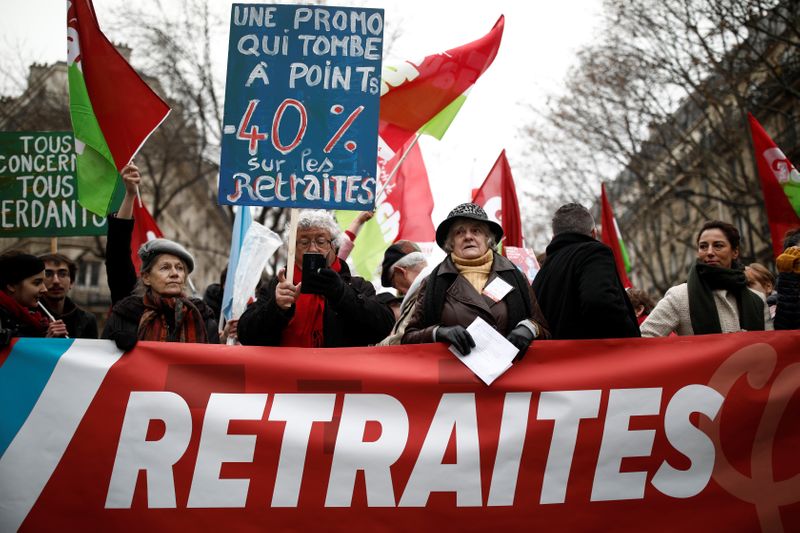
(474, 281)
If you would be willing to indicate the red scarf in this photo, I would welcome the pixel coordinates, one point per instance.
(305, 328)
(27, 317)
(188, 321)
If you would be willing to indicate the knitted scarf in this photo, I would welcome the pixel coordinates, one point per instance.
(703, 279)
(33, 320)
(177, 313)
(477, 270)
(305, 329)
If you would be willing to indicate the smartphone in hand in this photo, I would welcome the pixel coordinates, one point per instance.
(312, 264)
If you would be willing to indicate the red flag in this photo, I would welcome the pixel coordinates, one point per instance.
(776, 172)
(410, 194)
(126, 108)
(610, 236)
(411, 95)
(498, 197)
(144, 229)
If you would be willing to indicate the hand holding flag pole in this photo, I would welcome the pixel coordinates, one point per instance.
(138, 194)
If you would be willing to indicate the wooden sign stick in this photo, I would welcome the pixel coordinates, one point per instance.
(294, 215)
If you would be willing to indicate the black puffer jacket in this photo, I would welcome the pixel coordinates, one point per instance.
(580, 293)
(127, 313)
(213, 298)
(357, 319)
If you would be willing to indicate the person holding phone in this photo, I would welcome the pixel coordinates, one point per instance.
(324, 305)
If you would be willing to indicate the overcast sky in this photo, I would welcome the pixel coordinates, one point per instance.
(539, 44)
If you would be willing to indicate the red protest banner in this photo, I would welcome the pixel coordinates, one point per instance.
(656, 434)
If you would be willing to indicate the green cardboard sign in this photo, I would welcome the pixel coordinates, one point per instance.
(38, 187)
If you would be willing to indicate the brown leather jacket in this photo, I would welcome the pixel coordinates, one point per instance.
(463, 304)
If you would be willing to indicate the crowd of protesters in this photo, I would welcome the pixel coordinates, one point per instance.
(318, 303)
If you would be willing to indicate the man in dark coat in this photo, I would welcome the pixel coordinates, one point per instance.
(60, 272)
(578, 287)
(327, 307)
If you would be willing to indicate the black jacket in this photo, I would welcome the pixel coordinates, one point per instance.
(357, 319)
(787, 311)
(580, 293)
(120, 271)
(11, 327)
(126, 314)
(80, 324)
(213, 298)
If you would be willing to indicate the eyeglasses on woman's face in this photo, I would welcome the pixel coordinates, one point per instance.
(321, 243)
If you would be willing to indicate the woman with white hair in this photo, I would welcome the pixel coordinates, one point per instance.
(325, 308)
(474, 281)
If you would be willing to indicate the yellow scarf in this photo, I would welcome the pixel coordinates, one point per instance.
(476, 271)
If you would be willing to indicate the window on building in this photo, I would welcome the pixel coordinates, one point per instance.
(88, 274)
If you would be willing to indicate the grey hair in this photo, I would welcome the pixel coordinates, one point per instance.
(573, 218)
(318, 218)
(411, 260)
(491, 243)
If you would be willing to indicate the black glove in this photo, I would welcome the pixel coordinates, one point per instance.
(125, 341)
(521, 337)
(325, 282)
(457, 336)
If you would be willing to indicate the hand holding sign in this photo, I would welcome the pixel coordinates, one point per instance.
(285, 292)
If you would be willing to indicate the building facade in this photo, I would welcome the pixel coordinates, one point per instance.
(699, 165)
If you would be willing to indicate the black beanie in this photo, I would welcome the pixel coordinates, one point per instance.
(16, 266)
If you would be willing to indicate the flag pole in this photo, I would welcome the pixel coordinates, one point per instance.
(294, 216)
(380, 193)
(191, 285)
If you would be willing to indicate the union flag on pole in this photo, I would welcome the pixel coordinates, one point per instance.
(113, 110)
(425, 97)
(613, 239)
(780, 183)
(498, 197)
(415, 99)
(410, 195)
(144, 229)
(404, 213)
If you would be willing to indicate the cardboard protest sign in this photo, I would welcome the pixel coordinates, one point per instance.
(301, 107)
(524, 259)
(38, 188)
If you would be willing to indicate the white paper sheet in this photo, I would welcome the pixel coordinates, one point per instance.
(492, 354)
